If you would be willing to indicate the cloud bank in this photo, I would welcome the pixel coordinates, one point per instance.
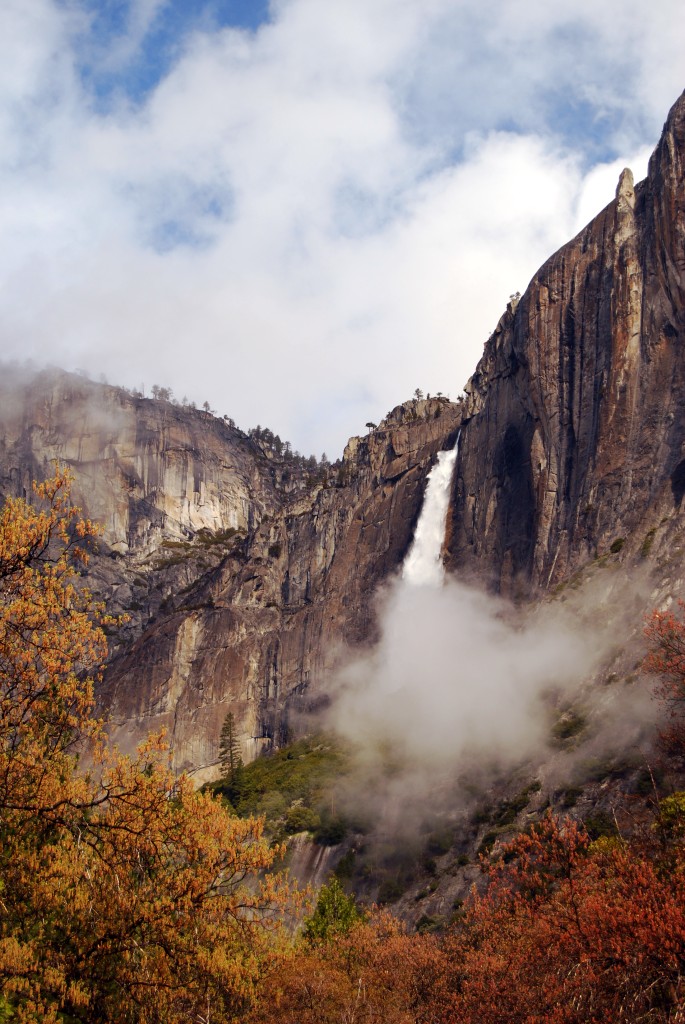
(304, 221)
(463, 689)
(459, 676)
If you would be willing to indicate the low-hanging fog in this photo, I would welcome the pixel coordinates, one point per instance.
(458, 672)
(462, 683)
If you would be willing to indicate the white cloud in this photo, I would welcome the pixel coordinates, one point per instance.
(357, 188)
(599, 185)
(462, 688)
(453, 675)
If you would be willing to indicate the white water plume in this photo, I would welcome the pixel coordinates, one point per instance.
(459, 675)
(423, 564)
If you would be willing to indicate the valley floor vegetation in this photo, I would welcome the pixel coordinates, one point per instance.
(125, 896)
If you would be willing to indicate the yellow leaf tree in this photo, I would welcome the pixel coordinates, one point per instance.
(124, 894)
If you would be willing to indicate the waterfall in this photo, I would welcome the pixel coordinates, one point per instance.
(423, 563)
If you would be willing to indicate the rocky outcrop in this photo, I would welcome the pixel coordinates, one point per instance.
(261, 632)
(147, 471)
(245, 587)
(241, 594)
(575, 425)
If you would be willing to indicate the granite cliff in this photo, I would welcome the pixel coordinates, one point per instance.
(242, 592)
(245, 587)
(574, 429)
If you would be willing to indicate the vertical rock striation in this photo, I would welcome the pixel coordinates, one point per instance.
(575, 420)
(147, 471)
(241, 593)
(272, 620)
(244, 589)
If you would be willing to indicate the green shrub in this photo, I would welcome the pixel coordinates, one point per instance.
(647, 544)
(569, 797)
(488, 841)
(569, 725)
(391, 889)
(301, 819)
(272, 805)
(428, 923)
(508, 810)
(647, 779)
(439, 843)
(671, 819)
(208, 538)
(428, 864)
(303, 773)
(600, 824)
(335, 914)
(345, 866)
(597, 769)
(481, 815)
(331, 832)
(166, 563)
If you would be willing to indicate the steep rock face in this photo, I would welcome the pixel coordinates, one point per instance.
(261, 632)
(244, 592)
(162, 481)
(575, 424)
(241, 595)
(147, 471)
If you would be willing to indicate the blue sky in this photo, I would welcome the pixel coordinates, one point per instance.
(162, 37)
(301, 211)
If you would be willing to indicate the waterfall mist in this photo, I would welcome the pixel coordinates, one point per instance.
(463, 681)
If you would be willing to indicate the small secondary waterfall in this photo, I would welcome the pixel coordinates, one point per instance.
(423, 563)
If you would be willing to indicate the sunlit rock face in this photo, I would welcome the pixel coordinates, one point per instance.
(575, 420)
(244, 589)
(242, 594)
(275, 616)
(147, 471)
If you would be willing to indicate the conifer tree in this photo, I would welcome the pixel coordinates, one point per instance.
(229, 749)
(230, 759)
(336, 914)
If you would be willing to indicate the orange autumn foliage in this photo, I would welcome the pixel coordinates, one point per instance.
(573, 932)
(376, 973)
(49, 643)
(124, 894)
(665, 633)
(567, 931)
